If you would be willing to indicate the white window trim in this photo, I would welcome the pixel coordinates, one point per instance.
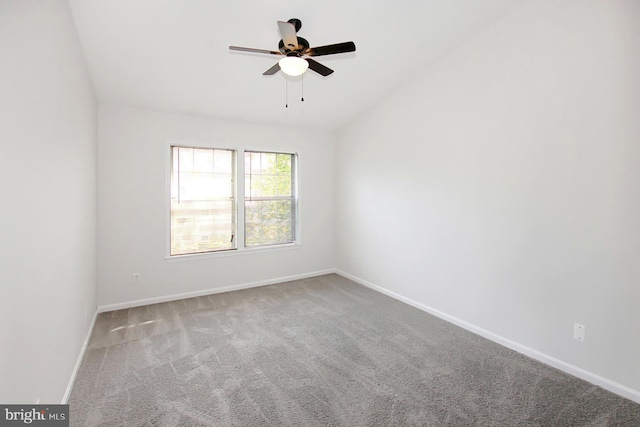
(239, 184)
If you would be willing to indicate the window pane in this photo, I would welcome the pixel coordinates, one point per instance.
(268, 222)
(202, 200)
(268, 175)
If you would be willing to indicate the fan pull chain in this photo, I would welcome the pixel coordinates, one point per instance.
(286, 101)
(302, 99)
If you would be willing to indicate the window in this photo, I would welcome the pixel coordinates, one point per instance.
(203, 205)
(269, 198)
(205, 187)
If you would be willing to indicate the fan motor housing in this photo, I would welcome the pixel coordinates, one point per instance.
(303, 45)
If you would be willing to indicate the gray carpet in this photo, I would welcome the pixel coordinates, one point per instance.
(318, 352)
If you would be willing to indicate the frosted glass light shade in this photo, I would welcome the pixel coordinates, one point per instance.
(293, 66)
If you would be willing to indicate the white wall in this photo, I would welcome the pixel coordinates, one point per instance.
(502, 187)
(48, 202)
(132, 226)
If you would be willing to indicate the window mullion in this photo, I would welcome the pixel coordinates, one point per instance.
(239, 174)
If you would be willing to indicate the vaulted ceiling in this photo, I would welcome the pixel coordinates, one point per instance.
(172, 55)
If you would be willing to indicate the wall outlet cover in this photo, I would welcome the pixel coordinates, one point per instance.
(579, 332)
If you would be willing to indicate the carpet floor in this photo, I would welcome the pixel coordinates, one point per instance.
(323, 351)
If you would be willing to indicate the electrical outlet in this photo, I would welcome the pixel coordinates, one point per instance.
(136, 277)
(579, 332)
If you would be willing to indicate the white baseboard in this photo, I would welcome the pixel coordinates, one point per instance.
(174, 297)
(76, 368)
(605, 383)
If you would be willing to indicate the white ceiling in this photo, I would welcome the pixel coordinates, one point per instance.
(172, 55)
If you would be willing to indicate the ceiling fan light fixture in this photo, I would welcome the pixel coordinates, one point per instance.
(293, 65)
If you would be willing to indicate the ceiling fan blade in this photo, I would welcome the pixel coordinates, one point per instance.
(318, 67)
(272, 70)
(288, 34)
(252, 50)
(331, 49)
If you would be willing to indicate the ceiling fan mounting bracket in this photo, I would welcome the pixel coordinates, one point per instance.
(296, 22)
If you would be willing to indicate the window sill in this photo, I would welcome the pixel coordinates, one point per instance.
(234, 252)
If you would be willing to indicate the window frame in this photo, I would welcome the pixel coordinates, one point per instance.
(232, 199)
(239, 155)
(293, 198)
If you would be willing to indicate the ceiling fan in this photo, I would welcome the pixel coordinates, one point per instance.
(296, 51)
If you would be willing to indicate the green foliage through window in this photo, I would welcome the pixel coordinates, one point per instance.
(269, 198)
